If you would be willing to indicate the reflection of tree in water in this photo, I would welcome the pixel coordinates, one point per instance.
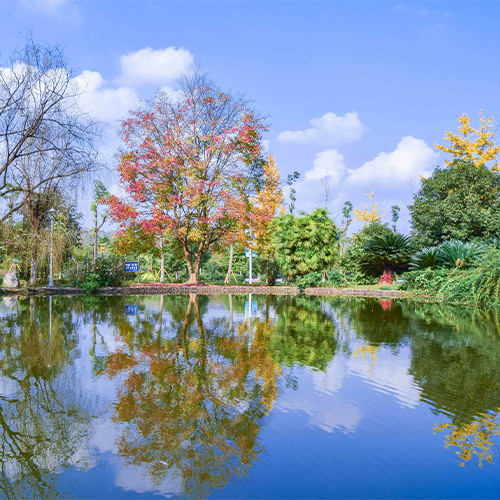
(373, 321)
(195, 402)
(365, 351)
(44, 421)
(476, 438)
(455, 355)
(461, 379)
(304, 333)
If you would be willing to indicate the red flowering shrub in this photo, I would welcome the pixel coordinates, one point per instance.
(386, 279)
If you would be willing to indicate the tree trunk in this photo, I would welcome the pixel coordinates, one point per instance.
(162, 268)
(94, 256)
(194, 275)
(342, 242)
(230, 267)
(34, 254)
(386, 277)
(162, 262)
(193, 268)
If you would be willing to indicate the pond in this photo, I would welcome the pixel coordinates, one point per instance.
(247, 397)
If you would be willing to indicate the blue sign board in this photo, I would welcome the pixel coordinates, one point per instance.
(131, 267)
(247, 253)
(132, 310)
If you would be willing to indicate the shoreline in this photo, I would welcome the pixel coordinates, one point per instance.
(159, 289)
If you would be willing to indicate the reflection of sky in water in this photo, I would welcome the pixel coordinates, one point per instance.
(331, 433)
(329, 403)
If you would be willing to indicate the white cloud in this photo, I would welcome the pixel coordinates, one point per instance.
(329, 163)
(411, 158)
(105, 103)
(161, 66)
(45, 6)
(329, 129)
(173, 95)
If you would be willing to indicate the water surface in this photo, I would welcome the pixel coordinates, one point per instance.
(247, 397)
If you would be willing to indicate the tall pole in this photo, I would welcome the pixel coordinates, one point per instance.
(250, 266)
(51, 279)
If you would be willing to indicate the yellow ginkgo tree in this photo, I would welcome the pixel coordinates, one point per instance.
(369, 216)
(473, 144)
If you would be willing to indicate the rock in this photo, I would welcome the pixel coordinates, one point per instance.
(10, 281)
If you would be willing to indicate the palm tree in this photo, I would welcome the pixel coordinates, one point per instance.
(385, 254)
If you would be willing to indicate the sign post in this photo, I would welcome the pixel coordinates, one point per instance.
(132, 267)
(249, 254)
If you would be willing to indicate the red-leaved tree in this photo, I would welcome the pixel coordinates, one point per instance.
(188, 167)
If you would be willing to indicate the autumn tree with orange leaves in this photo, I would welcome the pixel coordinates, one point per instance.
(254, 231)
(188, 167)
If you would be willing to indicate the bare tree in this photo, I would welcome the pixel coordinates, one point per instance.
(47, 144)
(39, 115)
(39, 179)
(325, 182)
(100, 194)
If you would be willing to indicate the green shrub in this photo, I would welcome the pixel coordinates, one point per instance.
(486, 288)
(213, 272)
(385, 252)
(91, 283)
(107, 271)
(424, 281)
(478, 285)
(336, 279)
(356, 251)
(427, 257)
(456, 253)
(451, 254)
(313, 279)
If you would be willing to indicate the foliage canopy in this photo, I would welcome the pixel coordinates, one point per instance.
(459, 202)
(305, 243)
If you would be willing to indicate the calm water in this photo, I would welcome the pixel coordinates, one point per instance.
(239, 397)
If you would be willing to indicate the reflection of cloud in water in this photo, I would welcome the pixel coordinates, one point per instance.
(318, 396)
(330, 405)
(332, 379)
(131, 477)
(136, 478)
(388, 375)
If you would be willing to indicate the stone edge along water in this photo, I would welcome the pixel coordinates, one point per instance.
(209, 290)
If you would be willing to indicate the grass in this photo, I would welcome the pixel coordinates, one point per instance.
(372, 287)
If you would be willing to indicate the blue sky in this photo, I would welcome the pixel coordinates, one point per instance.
(380, 80)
